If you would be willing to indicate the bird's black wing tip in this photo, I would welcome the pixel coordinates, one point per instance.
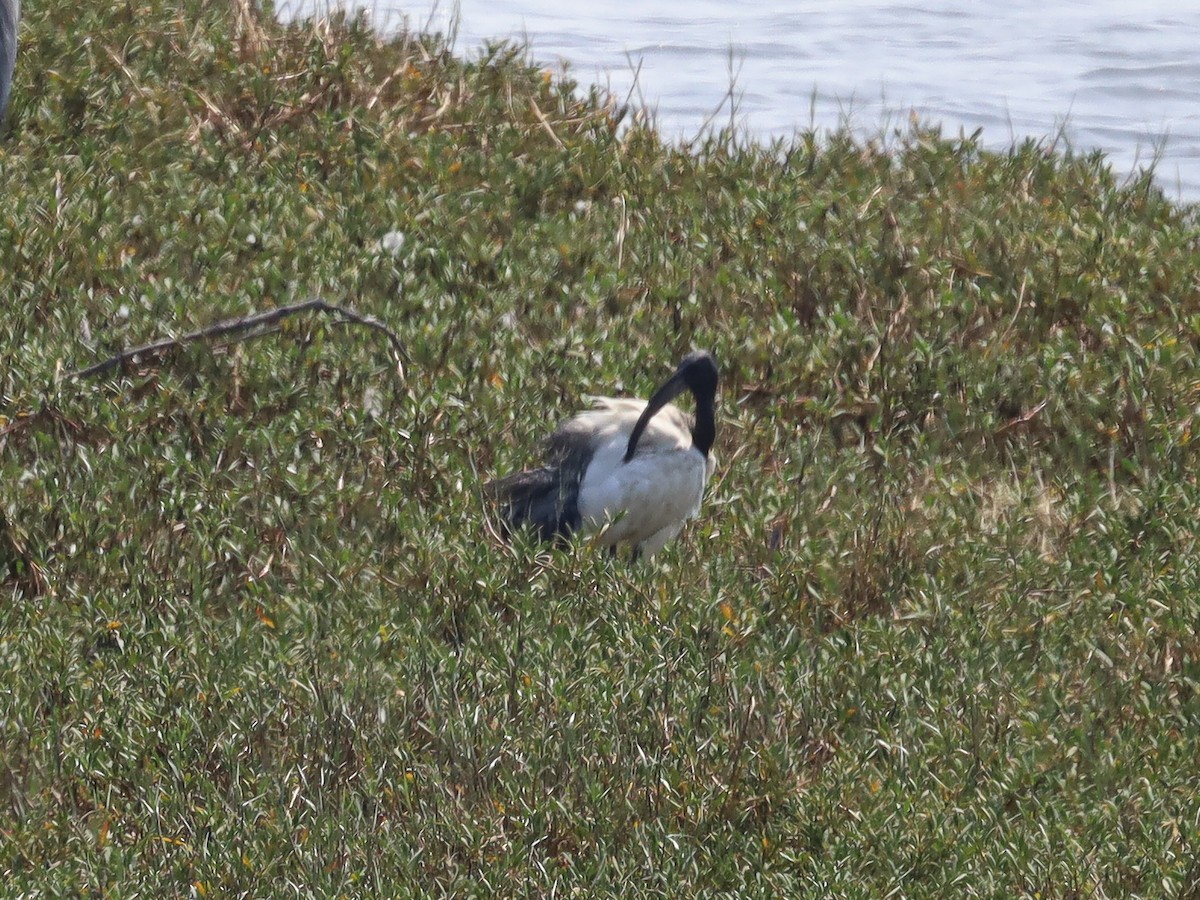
(538, 498)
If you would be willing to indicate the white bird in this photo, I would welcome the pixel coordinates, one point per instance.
(632, 470)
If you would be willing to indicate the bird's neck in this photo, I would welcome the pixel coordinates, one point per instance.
(704, 430)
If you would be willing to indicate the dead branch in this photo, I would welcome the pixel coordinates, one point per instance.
(1023, 419)
(39, 417)
(897, 315)
(541, 117)
(244, 328)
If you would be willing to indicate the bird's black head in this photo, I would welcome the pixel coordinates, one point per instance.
(698, 370)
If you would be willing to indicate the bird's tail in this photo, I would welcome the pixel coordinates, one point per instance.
(542, 498)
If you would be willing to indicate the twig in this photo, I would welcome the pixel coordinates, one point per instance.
(622, 229)
(541, 117)
(893, 321)
(241, 327)
(28, 420)
(1022, 419)
(735, 775)
(396, 73)
(1020, 302)
(120, 64)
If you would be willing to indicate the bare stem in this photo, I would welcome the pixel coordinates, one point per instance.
(243, 328)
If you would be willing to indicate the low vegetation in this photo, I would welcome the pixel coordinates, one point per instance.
(935, 634)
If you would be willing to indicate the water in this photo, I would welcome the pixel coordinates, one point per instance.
(1101, 74)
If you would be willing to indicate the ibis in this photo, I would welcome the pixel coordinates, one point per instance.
(631, 472)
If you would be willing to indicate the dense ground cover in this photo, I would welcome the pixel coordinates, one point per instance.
(935, 634)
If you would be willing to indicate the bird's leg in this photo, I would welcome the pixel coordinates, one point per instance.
(635, 554)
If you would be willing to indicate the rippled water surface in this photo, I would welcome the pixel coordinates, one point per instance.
(1118, 76)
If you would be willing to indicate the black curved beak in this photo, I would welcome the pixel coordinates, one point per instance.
(670, 389)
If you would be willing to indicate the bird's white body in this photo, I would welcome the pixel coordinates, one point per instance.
(645, 501)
